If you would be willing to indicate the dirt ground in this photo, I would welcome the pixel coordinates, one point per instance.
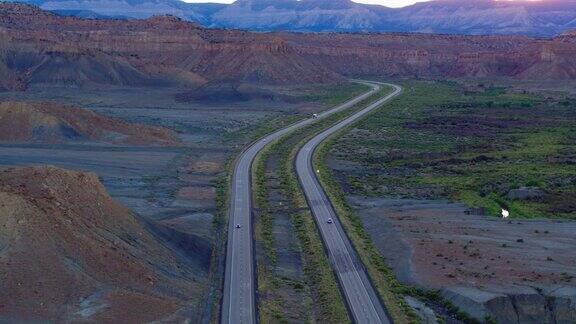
(513, 271)
(442, 244)
(171, 187)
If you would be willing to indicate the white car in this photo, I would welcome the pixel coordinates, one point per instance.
(314, 116)
(330, 221)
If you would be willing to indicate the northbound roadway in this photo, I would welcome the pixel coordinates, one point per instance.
(239, 302)
(360, 295)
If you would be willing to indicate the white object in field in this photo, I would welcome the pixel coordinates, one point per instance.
(505, 213)
(317, 171)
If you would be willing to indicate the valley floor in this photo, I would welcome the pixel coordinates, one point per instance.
(174, 189)
(429, 174)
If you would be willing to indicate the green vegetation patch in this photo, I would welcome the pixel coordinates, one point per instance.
(273, 289)
(328, 300)
(220, 232)
(332, 95)
(478, 146)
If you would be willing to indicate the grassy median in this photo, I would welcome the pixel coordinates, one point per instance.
(319, 294)
(323, 97)
(329, 305)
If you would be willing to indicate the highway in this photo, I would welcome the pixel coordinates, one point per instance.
(361, 297)
(239, 302)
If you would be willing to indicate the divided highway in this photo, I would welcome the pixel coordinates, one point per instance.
(360, 295)
(239, 304)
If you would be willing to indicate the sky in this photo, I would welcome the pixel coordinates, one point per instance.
(387, 3)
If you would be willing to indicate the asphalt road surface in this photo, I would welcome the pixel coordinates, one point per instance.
(360, 295)
(239, 305)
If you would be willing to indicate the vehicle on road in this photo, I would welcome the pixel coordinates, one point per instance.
(239, 298)
(359, 292)
(238, 226)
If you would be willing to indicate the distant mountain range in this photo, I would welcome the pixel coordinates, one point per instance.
(473, 17)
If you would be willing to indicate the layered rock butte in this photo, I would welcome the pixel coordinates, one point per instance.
(37, 47)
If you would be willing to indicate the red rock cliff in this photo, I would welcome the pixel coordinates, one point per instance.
(145, 51)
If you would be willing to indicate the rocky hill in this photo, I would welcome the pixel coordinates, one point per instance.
(39, 47)
(52, 123)
(473, 17)
(308, 15)
(487, 17)
(70, 253)
(568, 36)
(126, 9)
(536, 18)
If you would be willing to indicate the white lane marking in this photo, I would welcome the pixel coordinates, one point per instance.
(239, 211)
(339, 244)
(308, 148)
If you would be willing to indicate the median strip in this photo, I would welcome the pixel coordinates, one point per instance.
(239, 300)
(328, 303)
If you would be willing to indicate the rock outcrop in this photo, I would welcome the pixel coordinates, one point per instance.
(517, 304)
(568, 36)
(513, 271)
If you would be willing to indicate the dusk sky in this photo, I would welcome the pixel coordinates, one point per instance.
(387, 3)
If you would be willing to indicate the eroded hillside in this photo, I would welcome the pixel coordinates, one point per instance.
(51, 123)
(38, 47)
(70, 252)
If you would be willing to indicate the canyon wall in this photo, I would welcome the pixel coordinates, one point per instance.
(39, 47)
